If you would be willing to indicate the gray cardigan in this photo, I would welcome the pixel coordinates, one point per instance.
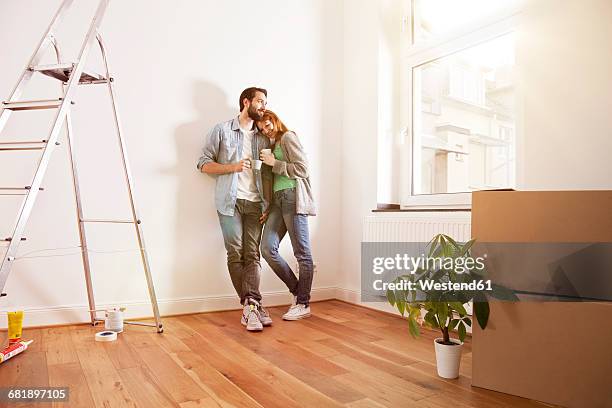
(296, 167)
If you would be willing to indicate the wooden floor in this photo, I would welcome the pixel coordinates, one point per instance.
(342, 356)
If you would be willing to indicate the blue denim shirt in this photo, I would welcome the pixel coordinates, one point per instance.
(224, 145)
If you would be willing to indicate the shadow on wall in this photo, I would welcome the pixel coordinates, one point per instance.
(199, 254)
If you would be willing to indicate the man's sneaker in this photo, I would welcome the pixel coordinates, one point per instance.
(250, 317)
(297, 312)
(264, 316)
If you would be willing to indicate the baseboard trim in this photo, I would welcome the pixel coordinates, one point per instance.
(78, 314)
(354, 297)
(75, 314)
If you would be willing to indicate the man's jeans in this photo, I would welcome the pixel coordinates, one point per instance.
(283, 219)
(242, 235)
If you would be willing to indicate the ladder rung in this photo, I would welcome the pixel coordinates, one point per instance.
(32, 105)
(9, 239)
(111, 221)
(62, 72)
(34, 145)
(18, 188)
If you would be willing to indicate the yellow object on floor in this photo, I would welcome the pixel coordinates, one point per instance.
(15, 325)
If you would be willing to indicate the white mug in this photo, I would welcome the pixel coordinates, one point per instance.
(257, 164)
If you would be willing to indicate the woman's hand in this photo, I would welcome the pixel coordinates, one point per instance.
(267, 158)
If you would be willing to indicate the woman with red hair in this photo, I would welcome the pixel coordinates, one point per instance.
(292, 203)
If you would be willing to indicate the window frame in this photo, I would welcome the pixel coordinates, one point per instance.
(415, 54)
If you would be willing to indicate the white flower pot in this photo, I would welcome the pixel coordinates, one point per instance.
(448, 358)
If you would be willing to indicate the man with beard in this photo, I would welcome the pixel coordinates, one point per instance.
(242, 195)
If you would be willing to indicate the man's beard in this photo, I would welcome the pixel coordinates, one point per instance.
(254, 114)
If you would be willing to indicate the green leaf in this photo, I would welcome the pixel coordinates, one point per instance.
(430, 318)
(458, 307)
(466, 247)
(401, 306)
(413, 327)
(432, 245)
(452, 241)
(391, 297)
(453, 324)
(503, 293)
(481, 311)
(442, 313)
(467, 321)
(462, 331)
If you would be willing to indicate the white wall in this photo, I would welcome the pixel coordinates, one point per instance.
(564, 59)
(179, 69)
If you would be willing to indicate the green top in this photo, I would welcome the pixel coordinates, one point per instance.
(281, 182)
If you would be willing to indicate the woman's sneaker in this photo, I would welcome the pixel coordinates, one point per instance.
(250, 317)
(264, 316)
(297, 312)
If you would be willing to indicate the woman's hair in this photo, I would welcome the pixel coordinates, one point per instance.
(279, 126)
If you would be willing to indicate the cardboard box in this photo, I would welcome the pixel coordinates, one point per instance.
(555, 352)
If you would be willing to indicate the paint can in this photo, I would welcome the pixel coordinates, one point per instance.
(114, 320)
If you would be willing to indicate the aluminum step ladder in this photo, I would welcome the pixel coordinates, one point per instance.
(70, 77)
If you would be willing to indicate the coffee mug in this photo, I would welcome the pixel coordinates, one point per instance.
(257, 164)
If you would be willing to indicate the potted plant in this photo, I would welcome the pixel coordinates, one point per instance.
(442, 307)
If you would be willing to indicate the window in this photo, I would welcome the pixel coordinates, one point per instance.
(460, 67)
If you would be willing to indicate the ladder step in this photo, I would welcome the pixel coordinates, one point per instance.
(16, 191)
(32, 105)
(62, 72)
(9, 239)
(19, 188)
(34, 145)
(111, 221)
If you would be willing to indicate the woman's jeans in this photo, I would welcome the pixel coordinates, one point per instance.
(282, 219)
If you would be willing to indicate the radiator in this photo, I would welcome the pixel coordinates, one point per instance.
(416, 227)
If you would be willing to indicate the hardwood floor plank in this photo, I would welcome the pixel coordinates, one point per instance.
(220, 388)
(414, 390)
(382, 393)
(338, 329)
(71, 375)
(239, 374)
(365, 403)
(105, 384)
(274, 345)
(28, 369)
(280, 381)
(121, 354)
(145, 389)
(308, 367)
(175, 381)
(57, 343)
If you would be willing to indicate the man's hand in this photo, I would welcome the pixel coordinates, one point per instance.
(242, 165)
(264, 216)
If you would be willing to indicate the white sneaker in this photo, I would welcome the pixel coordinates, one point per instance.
(250, 317)
(264, 316)
(297, 312)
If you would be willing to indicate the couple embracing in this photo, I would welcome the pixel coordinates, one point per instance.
(262, 188)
